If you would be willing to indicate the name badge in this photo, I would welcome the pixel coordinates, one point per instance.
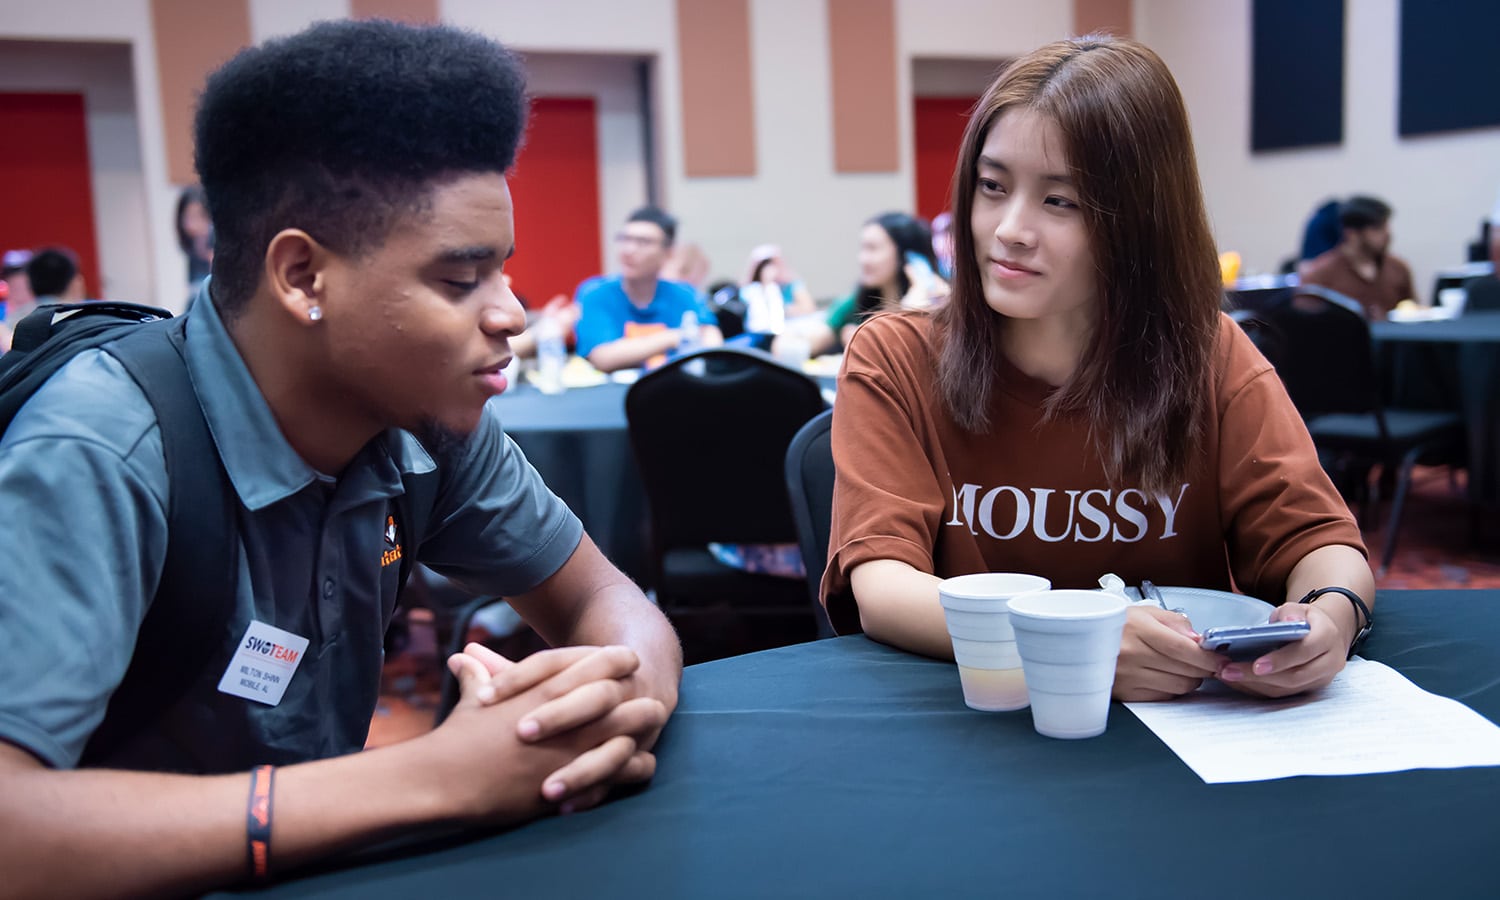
(264, 663)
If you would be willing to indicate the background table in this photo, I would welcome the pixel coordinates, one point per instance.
(577, 440)
(1454, 363)
(844, 768)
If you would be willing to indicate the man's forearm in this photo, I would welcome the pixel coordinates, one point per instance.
(619, 614)
(590, 602)
(95, 832)
(898, 605)
(626, 353)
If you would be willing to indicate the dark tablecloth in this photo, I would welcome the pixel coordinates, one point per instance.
(578, 441)
(843, 768)
(1451, 364)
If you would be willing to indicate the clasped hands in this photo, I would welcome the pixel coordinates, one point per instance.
(1160, 657)
(576, 720)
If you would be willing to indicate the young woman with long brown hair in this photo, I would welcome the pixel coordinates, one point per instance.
(1081, 405)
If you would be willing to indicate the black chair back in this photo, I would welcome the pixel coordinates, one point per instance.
(1483, 294)
(1256, 299)
(728, 308)
(1330, 374)
(809, 485)
(710, 432)
(1266, 337)
(1328, 359)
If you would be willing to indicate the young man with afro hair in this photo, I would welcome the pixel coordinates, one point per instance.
(359, 323)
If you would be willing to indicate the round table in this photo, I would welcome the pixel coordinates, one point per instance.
(845, 768)
(1452, 363)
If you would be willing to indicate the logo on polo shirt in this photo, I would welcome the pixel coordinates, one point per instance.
(392, 541)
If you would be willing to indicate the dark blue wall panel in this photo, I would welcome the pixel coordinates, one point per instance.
(1296, 73)
(1450, 65)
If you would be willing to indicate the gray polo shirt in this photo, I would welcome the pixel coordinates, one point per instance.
(83, 495)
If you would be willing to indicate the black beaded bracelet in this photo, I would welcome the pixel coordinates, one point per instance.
(1361, 612)
(258, 822)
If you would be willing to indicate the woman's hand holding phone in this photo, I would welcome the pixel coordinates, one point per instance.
(1300, 666)
(1160, 657)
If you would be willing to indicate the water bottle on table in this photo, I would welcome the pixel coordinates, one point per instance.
(688, 330)
(551, 356)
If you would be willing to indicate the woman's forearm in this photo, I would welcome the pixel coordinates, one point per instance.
(899, 605)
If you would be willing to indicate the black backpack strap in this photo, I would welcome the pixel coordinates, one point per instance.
(51, 335)
(195, 597)
(37, 326)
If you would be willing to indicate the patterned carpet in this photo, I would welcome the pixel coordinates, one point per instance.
(1438, 547)
(1436, 550)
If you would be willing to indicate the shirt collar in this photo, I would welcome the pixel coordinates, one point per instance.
(261, 465)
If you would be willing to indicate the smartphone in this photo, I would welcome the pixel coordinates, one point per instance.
(1243, 642)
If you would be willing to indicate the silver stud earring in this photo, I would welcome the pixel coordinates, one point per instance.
(315, 313)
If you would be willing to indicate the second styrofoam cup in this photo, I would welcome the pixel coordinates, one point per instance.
(1069, 641)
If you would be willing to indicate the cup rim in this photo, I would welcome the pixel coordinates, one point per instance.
(967, 587)
(1101, 605)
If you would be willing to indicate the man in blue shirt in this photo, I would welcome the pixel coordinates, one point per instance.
(635, 318)
(356, 325)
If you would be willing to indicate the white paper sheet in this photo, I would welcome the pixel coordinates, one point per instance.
(1370, 719)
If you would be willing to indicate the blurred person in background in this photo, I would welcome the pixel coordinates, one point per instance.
(55, 278)
(18, 294)
(195, 235)
(635, 317)
(1495, 236)
(15, 291)
(897, 270)
(1361, 266)
(942, 243)
(689, 265)
(1321, 234)
(772, 293)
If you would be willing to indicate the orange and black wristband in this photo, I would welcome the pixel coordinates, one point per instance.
(258, 823)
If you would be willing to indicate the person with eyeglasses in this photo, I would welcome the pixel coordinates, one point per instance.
(635, 318)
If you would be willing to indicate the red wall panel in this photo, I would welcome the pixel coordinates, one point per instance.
(555, 192)
(49, 195)
(938, 123)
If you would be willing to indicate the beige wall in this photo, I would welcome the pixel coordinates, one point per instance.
(275, 18)
(137, 245)
(101, 73)
(797, 199)
(1440, 185)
